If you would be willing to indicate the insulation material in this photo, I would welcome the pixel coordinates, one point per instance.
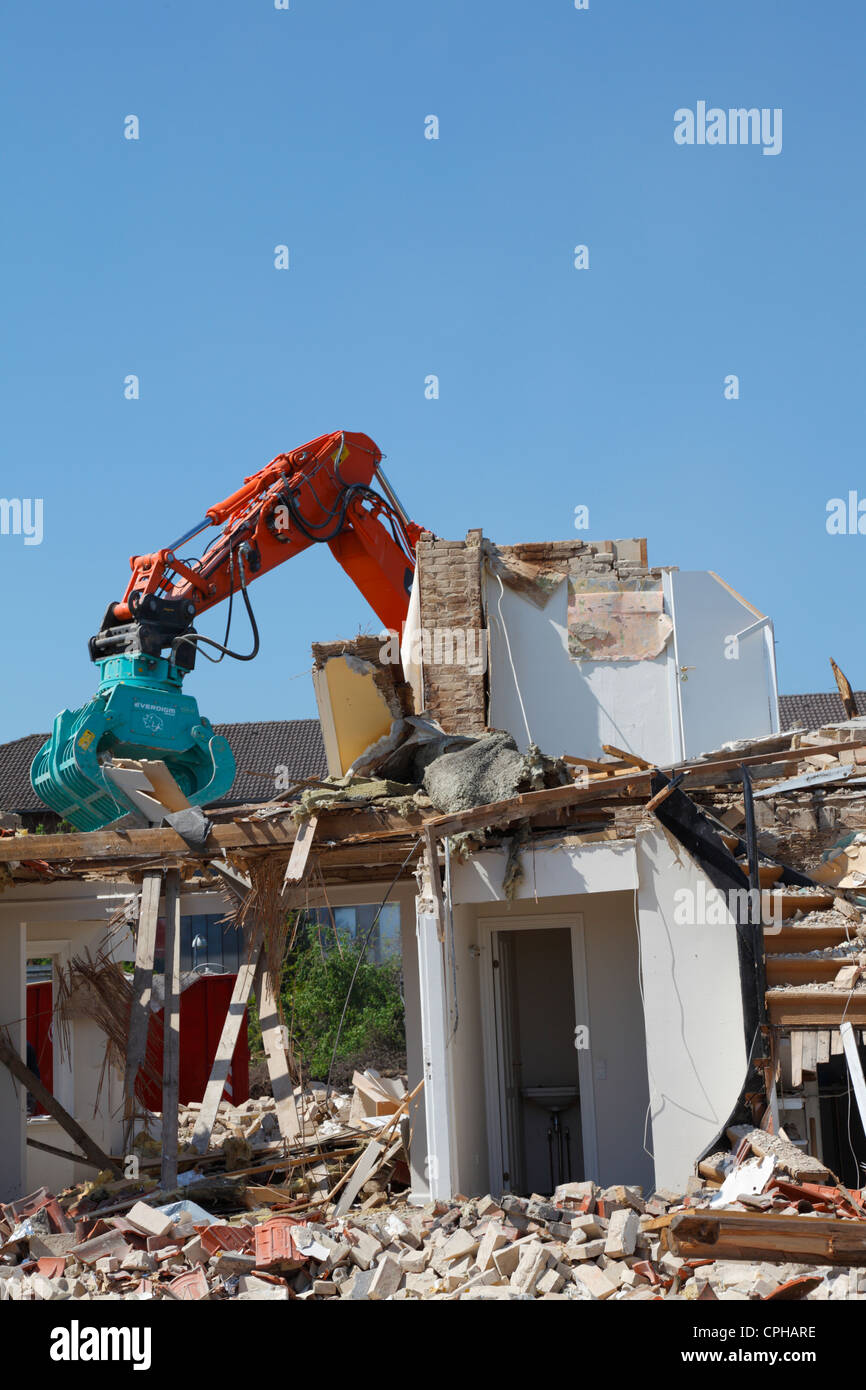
(360, 694)
(616, 619)
(535, 581)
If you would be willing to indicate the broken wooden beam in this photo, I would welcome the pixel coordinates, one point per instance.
(282, 1090)
(142, 987)
(106, 846)
(61, 1153)
(299, 859)
(846, 694)
(631, 758)
(170, 1031)
(225, 1048)
(736, 1235)
(664, 792)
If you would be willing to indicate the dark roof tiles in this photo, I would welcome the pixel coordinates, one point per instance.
(813, 711)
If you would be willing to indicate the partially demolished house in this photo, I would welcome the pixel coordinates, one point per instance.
(629, 902)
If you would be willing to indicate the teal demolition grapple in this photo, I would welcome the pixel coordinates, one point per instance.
(138, 711)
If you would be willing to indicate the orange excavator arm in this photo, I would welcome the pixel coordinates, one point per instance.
(320, 492)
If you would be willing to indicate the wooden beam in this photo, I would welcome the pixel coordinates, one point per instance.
(665, 792)
(30, 1081)
(299, 859)
(142, 986)
(816, 1008)
(735, 1235)
(531, 803)
(431, 859)
(171, 1031)
(631, 758)
(556, 798)
(845, 691)
(225, 1049)
(105, 846)
(238, 884)
(798, 937)
(593, 764)
(62, 1153)
(275, 1052)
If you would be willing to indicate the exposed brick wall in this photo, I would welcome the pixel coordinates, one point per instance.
(450, 583)
(623, 558)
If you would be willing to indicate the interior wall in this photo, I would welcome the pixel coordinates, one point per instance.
(695, 1029)
(571, 707)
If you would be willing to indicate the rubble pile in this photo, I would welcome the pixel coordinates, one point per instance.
(583, 1242)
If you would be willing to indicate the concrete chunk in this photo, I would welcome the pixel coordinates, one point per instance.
(493, 1239)
(386, 1279)
(151, 1222)
(594, 1280)
(458, 1246)
(622, 1233)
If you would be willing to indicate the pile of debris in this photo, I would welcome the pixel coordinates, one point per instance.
(762, 1221)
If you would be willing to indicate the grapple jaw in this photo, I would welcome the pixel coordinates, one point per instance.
(139, 711)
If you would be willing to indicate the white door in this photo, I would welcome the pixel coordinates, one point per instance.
(725, 669)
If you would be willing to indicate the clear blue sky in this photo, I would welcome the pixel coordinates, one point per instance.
(411, 257)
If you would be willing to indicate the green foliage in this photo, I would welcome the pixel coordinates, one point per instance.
(316, 980)
(254, 1031)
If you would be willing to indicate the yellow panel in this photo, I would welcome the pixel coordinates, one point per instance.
(359, 711)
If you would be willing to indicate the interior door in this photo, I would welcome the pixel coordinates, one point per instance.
(725, 681)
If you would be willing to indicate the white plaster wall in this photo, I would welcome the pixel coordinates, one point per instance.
(553, 871)
(696, 1050)
(572, 707)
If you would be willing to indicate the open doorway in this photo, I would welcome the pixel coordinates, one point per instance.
(537, 1062)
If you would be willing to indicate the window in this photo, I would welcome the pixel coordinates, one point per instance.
(355, 922)
(222, 950)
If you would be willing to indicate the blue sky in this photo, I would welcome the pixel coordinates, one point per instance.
(411, 257)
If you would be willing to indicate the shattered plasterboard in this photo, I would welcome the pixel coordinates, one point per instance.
(616, 619)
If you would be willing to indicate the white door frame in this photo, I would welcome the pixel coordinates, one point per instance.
(487, 929)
